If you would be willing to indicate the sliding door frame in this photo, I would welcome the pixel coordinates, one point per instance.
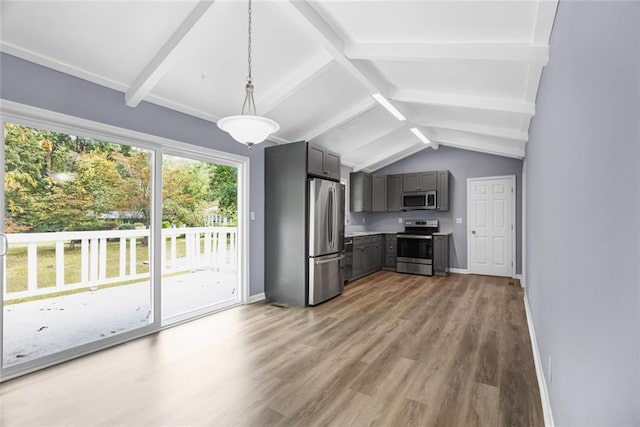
(44, 119)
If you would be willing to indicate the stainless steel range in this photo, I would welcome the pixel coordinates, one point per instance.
(415, 247)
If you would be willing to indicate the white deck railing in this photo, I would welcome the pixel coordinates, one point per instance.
(205, 246)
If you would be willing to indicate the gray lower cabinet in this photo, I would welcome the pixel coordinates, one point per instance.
(360, 192)
(367, 255)
(441, 254)
(390, 251)
(377, 249)
(394, 193)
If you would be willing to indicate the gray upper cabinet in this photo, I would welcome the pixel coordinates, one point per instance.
(360, 192)
(394, 193)
(442, 196)
(379, 193)
(419, 181)
(323, 163)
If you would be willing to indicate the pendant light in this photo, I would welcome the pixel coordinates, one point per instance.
(248, 128)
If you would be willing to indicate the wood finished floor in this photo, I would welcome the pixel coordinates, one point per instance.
(394, 349)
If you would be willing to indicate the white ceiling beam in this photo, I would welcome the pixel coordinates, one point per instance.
(515, 134)
(339, 118)
(164, 58)
(545, 16)
(293, 82)
(400, 51)
(483, 147)
(465, 101)
(317, 28)
(381, 161)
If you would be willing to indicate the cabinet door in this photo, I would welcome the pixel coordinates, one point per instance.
(442, 196)
(394, 193)
(379, 194)
(332, 165)
(410, 182)
(377, 254)
(359, 260)
(360, 191)
(315, 164)
(438, 253)
(428, 181)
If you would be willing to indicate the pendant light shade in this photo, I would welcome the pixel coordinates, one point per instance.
(250, 128)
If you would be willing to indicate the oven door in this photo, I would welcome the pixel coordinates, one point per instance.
(414, 247)
(415, 255)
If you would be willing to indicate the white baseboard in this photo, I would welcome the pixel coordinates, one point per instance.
(542, 384)
(256, 298)
(459, 270)
(519, 277)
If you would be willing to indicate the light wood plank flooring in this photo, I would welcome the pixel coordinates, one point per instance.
(394, 349)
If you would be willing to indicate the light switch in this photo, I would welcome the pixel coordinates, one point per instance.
(458, 220)
(252, 215)
(399, 220)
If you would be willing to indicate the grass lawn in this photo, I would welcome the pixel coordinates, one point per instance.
(17, 262)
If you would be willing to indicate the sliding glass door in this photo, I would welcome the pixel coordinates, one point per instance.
(200, 237)
(108, 235)
(77, 217)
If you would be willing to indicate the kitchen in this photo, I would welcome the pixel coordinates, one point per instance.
(371, 236)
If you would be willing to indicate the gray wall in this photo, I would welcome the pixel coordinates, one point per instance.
(462, 164)
(583, 213)
(31, 84)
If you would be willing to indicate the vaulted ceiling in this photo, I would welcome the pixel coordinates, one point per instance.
(465, 73)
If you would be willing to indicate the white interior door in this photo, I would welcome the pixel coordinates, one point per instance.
(490, 221)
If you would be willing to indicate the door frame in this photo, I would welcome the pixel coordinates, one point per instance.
(37, 117)
(514, 221)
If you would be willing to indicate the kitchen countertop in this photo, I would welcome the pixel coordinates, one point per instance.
(441, 234)
(367, 233)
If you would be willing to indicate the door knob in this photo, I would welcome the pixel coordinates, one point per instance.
(473, 231)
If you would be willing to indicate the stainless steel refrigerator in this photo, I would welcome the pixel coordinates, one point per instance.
(326, 240)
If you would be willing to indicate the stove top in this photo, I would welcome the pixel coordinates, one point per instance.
(424, 227)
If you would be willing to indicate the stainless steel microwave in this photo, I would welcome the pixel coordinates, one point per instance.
(422, 200)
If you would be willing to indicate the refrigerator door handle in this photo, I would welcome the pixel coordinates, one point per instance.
(325, 261)
(330, 218)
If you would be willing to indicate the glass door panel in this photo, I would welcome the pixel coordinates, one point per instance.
(200, 237)
(77, 220)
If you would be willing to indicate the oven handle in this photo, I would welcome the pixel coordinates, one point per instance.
(413, 236)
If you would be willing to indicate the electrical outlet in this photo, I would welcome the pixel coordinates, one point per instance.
(550, 372)
(252, 215)
(458, 220)
(399, 220)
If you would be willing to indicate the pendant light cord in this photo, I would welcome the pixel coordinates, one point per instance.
(248, 99)
(249, 48)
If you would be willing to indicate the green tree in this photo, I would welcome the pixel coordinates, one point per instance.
(223, 187)
(184, 192)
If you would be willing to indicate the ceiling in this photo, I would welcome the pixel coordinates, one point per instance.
(465, 73)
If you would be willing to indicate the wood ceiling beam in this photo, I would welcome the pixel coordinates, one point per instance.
(515, 134)
(400, 51)
(339, 119)
(293, 82)
(465, 101)
(165, 57)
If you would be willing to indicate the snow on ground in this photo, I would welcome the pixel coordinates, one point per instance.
(38, 328)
